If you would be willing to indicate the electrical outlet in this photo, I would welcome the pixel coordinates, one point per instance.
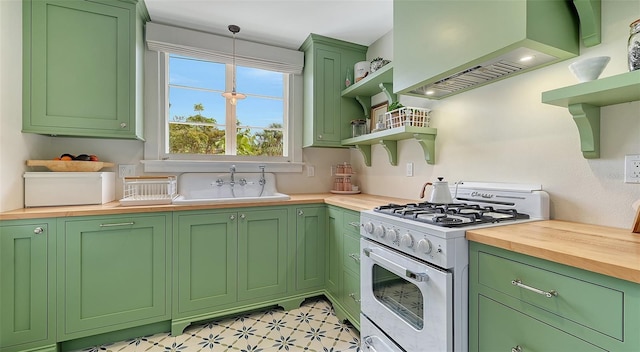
(632, 168)
(311, 171)
(409, 169)
(126, 170)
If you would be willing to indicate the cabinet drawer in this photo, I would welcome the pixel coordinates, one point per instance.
(351, 222)
(502, 328)
(351, 253)
(351, 300)
(586, 303)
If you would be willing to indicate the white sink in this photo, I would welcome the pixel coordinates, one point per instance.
(216, 188)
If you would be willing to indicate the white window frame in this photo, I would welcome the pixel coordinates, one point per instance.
(156, 102)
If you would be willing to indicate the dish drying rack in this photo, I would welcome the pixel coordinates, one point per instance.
(149, 190)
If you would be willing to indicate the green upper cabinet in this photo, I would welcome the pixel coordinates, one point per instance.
(82, 69)
(113, 273)
(442, 48)
(27, 294)
(327, 114)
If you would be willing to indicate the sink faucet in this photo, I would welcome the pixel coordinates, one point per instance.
(233, 171)
(262, 179)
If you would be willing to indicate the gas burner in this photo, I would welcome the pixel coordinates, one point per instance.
(450, 215)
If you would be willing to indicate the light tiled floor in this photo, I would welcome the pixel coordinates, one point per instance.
(312, 327)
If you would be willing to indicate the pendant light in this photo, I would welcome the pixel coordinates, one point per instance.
(234, 96)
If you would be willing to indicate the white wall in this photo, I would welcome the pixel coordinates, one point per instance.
(503, 133)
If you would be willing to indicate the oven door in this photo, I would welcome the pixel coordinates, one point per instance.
(409, 300)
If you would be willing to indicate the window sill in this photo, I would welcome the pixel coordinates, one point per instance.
(217, 166)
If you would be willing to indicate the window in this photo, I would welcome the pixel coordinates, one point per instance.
(190, 127)
(200, 122)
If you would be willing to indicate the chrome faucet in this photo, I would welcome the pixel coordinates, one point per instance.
(233, 171)
(262, 179)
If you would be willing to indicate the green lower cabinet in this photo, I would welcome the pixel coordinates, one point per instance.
(509, 307)
(310, 247)
(343, 263)
(205, 261)
(114, 273)
(262, 254)
(27, 294)
(227, 262)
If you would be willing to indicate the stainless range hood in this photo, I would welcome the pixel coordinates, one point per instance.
(445, 47)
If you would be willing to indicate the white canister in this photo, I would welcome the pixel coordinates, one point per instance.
(361, 70)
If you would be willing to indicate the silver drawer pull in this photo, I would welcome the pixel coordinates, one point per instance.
(38, 230)
(353, 295)
(355, 224)
(355, 256)
(118, 224)
(549, 294)
(516, 349)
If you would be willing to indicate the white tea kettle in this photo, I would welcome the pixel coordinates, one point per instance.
(440, 193)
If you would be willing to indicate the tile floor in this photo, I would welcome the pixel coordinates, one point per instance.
(312, 327)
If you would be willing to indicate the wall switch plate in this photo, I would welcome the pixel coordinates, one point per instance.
(126, 170)
(632, 168)
(409, 169)
(311, 171)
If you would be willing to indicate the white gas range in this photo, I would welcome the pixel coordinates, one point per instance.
(414, 266)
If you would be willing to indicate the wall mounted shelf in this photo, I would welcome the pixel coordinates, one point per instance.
(426, 137)
(585, 99)
(378, 82)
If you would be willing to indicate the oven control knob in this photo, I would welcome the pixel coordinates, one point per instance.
(424, 246)
(368, 227)
(392, 235)
(407, 240)
(379, 231)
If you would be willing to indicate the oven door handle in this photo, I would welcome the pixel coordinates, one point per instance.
(416, 276)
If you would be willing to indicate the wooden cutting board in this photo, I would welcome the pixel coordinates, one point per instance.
(71, 166)
(636, 223)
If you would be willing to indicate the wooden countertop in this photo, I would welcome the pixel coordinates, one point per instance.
(606, 250)
(355, 202)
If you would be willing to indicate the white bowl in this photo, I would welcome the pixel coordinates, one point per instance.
(589, 69)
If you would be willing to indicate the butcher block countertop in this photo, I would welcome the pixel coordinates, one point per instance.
(355, 202)
(606, 250)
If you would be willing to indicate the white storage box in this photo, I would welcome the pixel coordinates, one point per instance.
(43, 189)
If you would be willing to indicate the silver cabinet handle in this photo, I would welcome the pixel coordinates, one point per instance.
(242, 216)
(38, 230)
(353, 295)
(548, 294)
(355, 256)
(123, 125)
(355, 224)
(300, 212)
(516, 349)
(118, 224)
(232, 217)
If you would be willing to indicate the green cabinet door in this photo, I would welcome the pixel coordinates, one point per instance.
(502, 328)
(205, 261)
(113, 273)
(327, 115)
(334, 252)
(27, 273)
(262, 253)
(82, 68)
(310, 247)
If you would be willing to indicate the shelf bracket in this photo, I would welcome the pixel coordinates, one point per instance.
(365, 149)
(392, 150)
(428, 144)
(587, 118)
(387, 88)
(589, 12)
(365, 107)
